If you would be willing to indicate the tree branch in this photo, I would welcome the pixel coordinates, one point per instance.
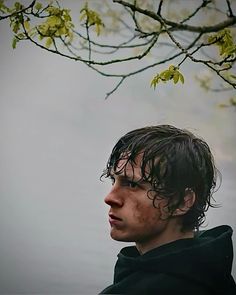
(229, 9)
(204, 4)
(159, 7)
(135, 24)
(178, 26)
(19, 11)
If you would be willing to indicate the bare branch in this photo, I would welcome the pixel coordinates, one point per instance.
(178, 26)
(77, 58)
(122, 45)
(134, 72)
(159, 7)
(115, 88)
(230, 14)
(204, 4)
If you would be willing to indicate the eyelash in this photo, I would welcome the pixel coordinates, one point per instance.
(130, 184)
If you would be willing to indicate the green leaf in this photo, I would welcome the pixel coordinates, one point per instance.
(26, 25)
(233, 76)
(18, 6)
(172, 73)
(91, 18)
(16, 27)
(155, 81)
(166, 75)
(14, 42)
(232, 101)
(224, 41)
(3, 7)
(20, 36)
(38, 6)
(176, 77)
(48, 42)
(54, 21)
(172, 68)
(181, 77)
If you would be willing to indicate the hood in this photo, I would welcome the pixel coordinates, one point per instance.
(207, 259)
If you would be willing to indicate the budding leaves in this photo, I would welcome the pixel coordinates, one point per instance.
(91, 18)
(224, 40)
(57, 25)
(172, 73)
(4, 8)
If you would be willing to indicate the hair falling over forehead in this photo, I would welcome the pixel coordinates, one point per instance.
(172, 160)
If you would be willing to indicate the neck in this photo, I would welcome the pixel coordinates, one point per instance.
(164, 238)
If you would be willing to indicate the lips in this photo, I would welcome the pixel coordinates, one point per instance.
(114, 220)
(114, 217)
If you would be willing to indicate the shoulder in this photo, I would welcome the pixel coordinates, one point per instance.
(150, 283)
(168, 284)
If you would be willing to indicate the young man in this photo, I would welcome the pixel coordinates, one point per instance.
(163, 179)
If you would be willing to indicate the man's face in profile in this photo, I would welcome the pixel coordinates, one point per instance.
(132, 216)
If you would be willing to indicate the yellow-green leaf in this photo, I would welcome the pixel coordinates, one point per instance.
(172, 68)
(14, 42)
(38, 6)
(176, 77)
(27, 25)
(54, 21)
(172, 73)
(48, 42)
(155, 81)
(181, 77)
(165, 75)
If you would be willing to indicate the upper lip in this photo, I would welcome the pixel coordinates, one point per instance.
(113, 216)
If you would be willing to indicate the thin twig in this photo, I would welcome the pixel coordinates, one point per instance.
(116, 87)
(88, 39)
(229, 9)
(204, 4)
(159, 7)
(18, 12)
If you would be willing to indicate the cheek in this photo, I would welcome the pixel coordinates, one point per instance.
(145, 213)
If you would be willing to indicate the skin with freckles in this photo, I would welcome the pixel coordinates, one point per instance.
(132, 216)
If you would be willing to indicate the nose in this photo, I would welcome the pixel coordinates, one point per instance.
(114, 198)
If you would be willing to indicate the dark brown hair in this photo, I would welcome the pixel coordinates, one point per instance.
(176, 160)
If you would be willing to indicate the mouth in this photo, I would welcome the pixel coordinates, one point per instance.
(114, 217)
(114, 220)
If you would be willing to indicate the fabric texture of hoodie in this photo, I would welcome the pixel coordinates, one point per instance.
(197, 266)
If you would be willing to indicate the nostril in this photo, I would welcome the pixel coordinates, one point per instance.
(113, 200)
(109, 201)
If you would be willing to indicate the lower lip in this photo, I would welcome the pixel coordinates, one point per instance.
(114, 221)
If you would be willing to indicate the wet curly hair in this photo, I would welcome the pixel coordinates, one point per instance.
(173, 160)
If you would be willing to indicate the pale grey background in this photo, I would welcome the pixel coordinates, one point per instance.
(56, 132)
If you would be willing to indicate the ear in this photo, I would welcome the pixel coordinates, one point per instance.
(164, 209)
(189, 200)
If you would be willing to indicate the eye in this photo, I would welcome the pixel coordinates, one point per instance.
(132, 184)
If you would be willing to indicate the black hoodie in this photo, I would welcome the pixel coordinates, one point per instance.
(196, 266)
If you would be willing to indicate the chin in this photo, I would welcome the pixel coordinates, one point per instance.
(120, 238)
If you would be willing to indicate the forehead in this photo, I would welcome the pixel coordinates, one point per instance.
(128, 167)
